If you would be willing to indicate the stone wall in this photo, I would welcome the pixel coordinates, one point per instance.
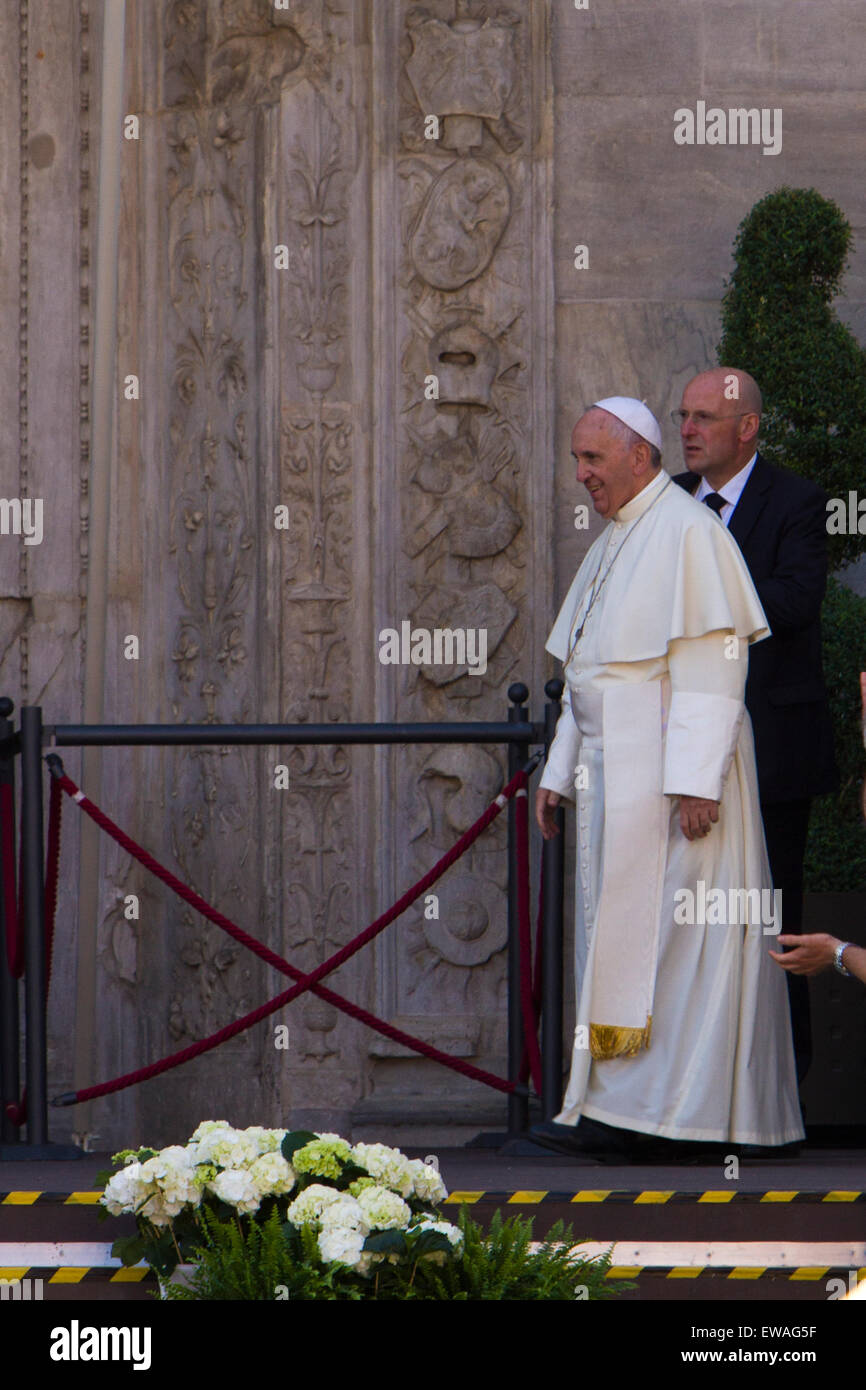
(659, 218)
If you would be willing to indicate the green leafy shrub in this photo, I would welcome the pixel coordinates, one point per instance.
(499, 1264)
(836, 849)
(779, 324)
(275, 1261)
(261, 1262)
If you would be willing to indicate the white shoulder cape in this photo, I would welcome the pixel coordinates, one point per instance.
(680, 575)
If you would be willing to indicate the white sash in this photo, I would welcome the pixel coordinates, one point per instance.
(636, 820)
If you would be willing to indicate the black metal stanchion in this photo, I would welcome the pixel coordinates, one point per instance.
(33, 873)
(518, 754)
(553, 867)
(10, 1081)
(33, 926)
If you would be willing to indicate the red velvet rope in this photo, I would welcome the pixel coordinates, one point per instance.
(52, 866)
(539, 946)
(14, 951)
(304, 982)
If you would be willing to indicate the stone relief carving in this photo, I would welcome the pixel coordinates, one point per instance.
(316, 451)
(222, 61)
(212, 519)
(470, 927)
(460, 225)
(233, 51)
(464, 69)
(465, 292)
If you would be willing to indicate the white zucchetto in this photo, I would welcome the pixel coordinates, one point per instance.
(634, 414)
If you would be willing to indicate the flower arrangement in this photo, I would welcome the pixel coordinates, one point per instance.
(364, 1203)
(277, 1214)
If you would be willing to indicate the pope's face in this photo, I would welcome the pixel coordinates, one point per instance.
(604, 463)
(710, 433)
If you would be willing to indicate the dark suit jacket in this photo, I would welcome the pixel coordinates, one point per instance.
(779, 524)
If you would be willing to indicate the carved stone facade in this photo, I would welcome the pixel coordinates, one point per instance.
(465, 174)
(349, 291)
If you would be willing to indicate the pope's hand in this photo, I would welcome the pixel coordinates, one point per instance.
(697, 815)
(546, 803)
(810, 954)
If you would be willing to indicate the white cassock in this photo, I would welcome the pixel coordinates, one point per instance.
(683, 1026)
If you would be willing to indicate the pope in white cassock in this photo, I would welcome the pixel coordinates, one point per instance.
(682, 1027)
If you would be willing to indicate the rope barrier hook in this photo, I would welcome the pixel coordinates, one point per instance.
(55, 765)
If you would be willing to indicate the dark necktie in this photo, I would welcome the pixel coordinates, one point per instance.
(715, 501)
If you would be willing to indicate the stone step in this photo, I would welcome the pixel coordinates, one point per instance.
(793, 1231)
(652, 1233)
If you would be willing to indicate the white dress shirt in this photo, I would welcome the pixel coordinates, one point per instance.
(731, 490)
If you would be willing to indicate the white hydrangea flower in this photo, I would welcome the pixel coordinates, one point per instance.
(308, 1206)
(383, 1209)
(208, 1127)
(207, 1141)
(271, 1175)
(389, 1166)
(340, 1244)
(427, 1183)
(156, 1210)
(230, 1148)
(346, 1211)
(267, 1140)
(174, 1169)
(344, 1228)
(322, 1157)
(124, 1191)
(236, 1187)
(150, 1170)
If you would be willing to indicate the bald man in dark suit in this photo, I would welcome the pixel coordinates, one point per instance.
(779, 522)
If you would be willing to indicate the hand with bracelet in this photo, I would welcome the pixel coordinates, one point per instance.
(815, 952)
(812, 953)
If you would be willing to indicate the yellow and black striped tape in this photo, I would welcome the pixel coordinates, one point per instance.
(649, 1198)
(33, 1199)
(525, 1197)
(79, 1274)
(52, 1275)
(804, 1273)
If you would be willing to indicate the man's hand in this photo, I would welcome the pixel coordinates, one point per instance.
(811, 953)
(546, 803)
(697, 816)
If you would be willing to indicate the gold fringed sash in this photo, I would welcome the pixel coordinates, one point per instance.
(636, 818)
(606, 1040)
